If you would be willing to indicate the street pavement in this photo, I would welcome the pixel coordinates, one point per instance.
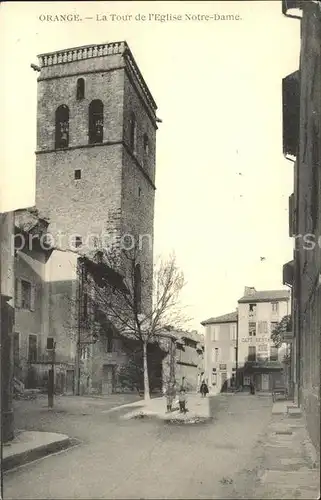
(144, 458)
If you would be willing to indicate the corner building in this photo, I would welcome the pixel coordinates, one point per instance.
(96, 140)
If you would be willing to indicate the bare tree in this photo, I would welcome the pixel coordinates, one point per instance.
(133, 315)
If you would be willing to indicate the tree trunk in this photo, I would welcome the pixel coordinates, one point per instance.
(146, 378)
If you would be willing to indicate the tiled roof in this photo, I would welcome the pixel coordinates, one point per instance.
(226, 318)
(182, 334)
(266, 296)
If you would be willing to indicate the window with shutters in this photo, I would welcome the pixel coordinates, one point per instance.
(215, 354)
(275, 307)
(263, 327)
(26, 288)
(252, 329)
(84, 354)
(32, 348)
(233, 332)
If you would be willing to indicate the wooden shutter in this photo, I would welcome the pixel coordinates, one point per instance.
(18, 293)
(32, 297)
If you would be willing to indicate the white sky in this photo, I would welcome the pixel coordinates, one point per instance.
(219, 94)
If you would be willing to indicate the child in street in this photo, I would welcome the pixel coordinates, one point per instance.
(182, 401)
(170, 395)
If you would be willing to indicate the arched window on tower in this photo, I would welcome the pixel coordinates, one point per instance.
(62, 127)
(138, 289)
(96, 122)
(80, 88)
(133, 133)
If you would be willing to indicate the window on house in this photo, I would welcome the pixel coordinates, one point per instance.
(50, 343)
(214, 377)
(215, 355)
(233, 332)
(32, 348)
(235, 353)
(84, 354)
(77, 174)
(252, 310)
(77, 241)
(275, 307)
(138, 289)
(274, 353)
(263, 327)
(133, 133)
(80, 88)
(96, 122)
(252, 353)
(16, 349)
(252, 329)
(25, 294)
(139, 192)
(62, 127)
(213, 332)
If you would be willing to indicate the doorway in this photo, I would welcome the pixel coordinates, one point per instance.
(223, 381)
(265, 382)
(108, 379)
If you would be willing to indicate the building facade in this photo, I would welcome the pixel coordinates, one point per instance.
(302, 146)
(259, 360)
(221, 351)
(95, 161)
(238, 346)
(183, 364)
(45, 304)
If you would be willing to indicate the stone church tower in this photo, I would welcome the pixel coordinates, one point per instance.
(96, 139)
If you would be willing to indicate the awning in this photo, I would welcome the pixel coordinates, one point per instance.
(288, 273)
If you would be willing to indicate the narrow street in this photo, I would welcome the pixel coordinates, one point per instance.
(145, 458)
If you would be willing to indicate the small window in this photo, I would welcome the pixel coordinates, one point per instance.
(77, 241)
(50, 343)
(215, 354)
(96, 122)
(77, 174)
(32, 348)
(275, 307)
(62, 127)
(84, 353)
(139, 192)
(80, 88)
(133, 133)
(146, 144)
(25, 294)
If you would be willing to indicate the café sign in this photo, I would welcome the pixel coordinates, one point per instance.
(257, 339)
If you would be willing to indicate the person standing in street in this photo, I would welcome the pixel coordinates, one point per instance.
(204, 389)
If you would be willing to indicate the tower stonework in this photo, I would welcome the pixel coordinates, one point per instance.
(96, 140)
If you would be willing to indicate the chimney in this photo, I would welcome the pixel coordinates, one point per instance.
(249, 290)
